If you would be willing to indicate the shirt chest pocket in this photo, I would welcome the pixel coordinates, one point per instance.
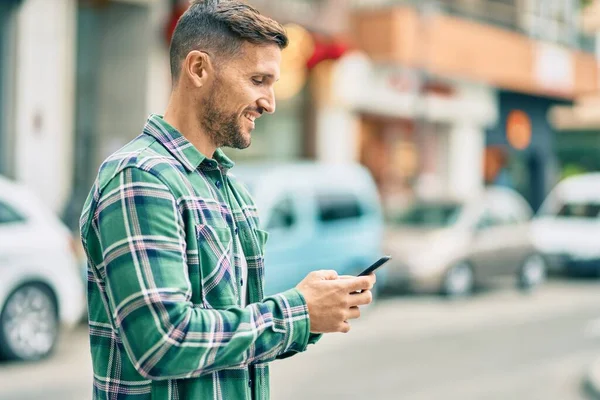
(262, 238)
(216, 265)
(253, 244)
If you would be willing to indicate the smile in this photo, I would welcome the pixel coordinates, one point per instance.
(250, 117)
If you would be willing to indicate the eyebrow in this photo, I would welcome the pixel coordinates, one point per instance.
(267, 75)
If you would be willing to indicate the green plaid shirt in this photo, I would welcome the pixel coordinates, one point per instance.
(164, 274)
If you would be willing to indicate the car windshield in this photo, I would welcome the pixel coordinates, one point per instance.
(429, 215)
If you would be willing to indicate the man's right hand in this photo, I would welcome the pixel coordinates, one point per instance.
(333, 301)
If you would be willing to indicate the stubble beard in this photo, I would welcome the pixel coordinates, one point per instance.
(222, 128)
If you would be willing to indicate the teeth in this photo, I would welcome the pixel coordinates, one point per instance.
(250, 117)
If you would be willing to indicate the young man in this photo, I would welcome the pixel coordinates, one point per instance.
(176, 303)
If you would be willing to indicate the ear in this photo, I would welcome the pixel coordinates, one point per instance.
(198, 67)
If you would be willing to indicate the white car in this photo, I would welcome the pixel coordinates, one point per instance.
(40, 280)
(567, 227)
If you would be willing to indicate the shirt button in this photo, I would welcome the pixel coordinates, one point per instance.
(236, 230)
(241, 282)
(218, 183)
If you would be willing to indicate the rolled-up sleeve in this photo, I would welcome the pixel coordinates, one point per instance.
(145, 276)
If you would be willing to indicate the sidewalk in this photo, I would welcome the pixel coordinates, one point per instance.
(592, 379)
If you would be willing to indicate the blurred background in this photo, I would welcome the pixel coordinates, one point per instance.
(462, 137)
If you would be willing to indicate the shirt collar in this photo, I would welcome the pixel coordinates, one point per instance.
(181, 148)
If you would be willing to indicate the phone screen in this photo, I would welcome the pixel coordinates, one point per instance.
(375, 265)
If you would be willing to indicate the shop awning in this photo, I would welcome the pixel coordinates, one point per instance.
(584, 115)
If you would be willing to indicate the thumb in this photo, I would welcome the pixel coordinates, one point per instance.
(328, 275)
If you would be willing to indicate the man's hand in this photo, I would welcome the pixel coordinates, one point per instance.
(332, 301)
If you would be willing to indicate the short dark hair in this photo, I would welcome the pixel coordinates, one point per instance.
(221, 26)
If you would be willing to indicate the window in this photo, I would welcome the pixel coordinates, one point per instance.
(552, 20)
(8, 30)
(338, 207)
(485, 221)
(492, 219)
(9, 215)
(283, 215)
(435, 215)
(579, 210)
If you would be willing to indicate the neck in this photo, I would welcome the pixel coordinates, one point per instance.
(181, 115)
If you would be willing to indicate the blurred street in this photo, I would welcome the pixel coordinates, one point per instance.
(459, 137)
(498, 345)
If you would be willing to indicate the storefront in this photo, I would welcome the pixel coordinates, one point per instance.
(418, 137)
(408, 158)
(521, 149)
(578, 152)
(450, 46)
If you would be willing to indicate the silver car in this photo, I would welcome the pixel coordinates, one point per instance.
(450, 246)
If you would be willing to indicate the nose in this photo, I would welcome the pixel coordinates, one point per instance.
(267, 102)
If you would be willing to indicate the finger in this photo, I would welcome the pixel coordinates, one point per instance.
(361, 299)
(372, 275)
(353, 313)
(356, 284)
(327, 274)
(344, 327)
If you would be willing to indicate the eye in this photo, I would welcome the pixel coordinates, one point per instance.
(258, 81)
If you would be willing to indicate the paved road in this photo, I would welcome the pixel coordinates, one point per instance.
(498, 345)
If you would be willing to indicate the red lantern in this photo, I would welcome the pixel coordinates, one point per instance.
(326, 48)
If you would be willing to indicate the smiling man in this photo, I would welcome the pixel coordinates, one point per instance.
(175, 253)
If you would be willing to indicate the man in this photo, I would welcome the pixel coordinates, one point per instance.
(175, 252)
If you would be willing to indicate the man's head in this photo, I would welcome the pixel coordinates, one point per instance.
(225, 56)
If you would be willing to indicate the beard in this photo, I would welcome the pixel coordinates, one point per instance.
(223, 128)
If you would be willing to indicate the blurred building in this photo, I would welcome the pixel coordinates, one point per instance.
(7, 54)
(420, 92)
(78, 79)
(122, 75)
(37, 87)
(578, 147)
(526, 56)
(413, 135)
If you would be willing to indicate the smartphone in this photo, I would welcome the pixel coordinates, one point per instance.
(375, 265)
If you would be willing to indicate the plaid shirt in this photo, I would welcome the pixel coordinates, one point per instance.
(165, 319)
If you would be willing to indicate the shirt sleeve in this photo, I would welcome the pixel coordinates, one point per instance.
(313, 338)
(141, 236)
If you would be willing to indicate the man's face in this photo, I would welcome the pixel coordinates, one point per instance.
(241, 90)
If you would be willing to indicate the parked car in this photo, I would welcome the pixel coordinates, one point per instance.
(40, 284)
(567, 227)
(450, 246)
(318, 216)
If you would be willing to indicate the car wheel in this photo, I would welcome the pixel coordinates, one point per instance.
(532, 273)
(459, 280)
(29, 323)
